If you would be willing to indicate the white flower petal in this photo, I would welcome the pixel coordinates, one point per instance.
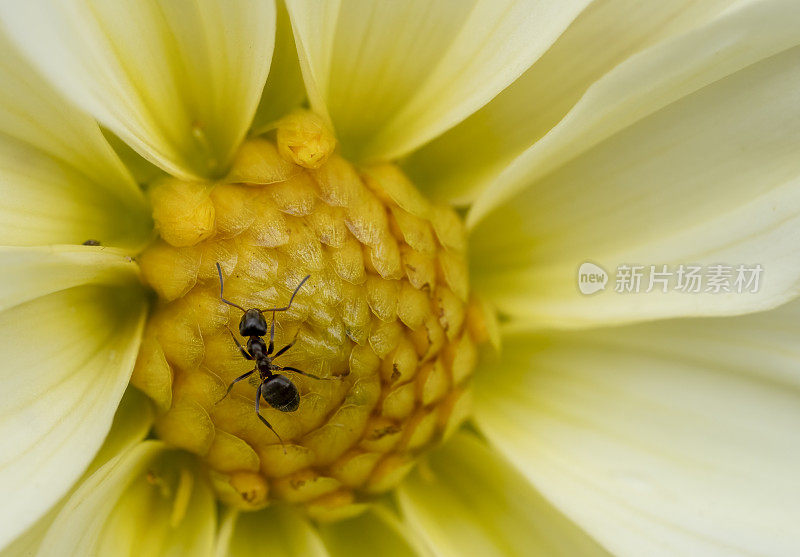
(653, 443)
(763, 344)
(458, 164)
(29, 273)
(469, 501)
(178, 81)
(146, 501)
(282, 531)
(142, 170)
(652, 81)
(375, 532)
(393, 75)
(67, 357)
(60, 181)
(711, 178)
(132, 421)
(285, 89)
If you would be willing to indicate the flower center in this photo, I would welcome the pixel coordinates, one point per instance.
(384, 322)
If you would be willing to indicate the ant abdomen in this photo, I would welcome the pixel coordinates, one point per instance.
(280, 393)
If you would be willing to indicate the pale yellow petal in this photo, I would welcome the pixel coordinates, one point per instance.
(393, 75)
(67, 357)
(29, 273)
(663, 439)
(467, 500)
(372, 533)
(178, 81)
(131, 423)
(657, 81)
(146, 501)
(282, 531)
(709, 179)
(458, 164)
(284, 90)
(142, 170)
(60, 181)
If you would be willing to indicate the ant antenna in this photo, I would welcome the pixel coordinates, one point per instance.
(222, 296)
(296, 290)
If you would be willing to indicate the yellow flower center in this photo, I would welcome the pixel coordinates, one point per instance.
(385, 321)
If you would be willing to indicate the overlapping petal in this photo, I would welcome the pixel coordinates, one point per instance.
(131, 424)
(393, 75)
(376, 532)
(33, 272)
(284, 89)
(178, 81)
(280, 529)
(149, 500)
(60, 181)
(709, 178)
(70, 325)
(461, 162)
(285, 532)
(469, 501)
(659, 439)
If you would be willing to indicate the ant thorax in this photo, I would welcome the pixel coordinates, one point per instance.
(256, 346)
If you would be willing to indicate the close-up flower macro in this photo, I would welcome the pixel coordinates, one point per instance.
(399, 277)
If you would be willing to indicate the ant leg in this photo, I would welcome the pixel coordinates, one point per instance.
(242, 349)
(288, 346)
(296, 290)
(294, 369)
(221, 295)
(264, 421)
(271, 346)
(240, 378)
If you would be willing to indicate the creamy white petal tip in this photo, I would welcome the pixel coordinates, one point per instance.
(179, 82)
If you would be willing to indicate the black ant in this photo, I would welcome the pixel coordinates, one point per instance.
(278, 390)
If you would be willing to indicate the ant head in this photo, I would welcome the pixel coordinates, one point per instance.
(253, 324)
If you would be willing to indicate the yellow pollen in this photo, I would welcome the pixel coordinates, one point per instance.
(385, 319)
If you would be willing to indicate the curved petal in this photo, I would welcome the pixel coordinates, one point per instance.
(658, 439)
(132, 421)
(280, 529)
(178, 81)
(67, 357)
(651, 82)
(284, 90)
(709, 179)
(393, 75)
(30, 273)
(146, 501)
(375, 532)
(458, 164)
(469, 501)
(60, 181)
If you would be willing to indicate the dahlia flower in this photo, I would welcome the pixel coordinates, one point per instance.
(440, 171)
